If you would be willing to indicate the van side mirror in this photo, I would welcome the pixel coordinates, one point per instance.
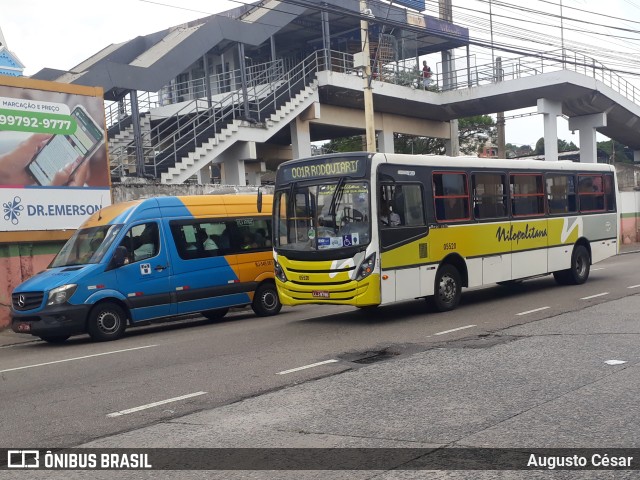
(259, 200)
(120, 257)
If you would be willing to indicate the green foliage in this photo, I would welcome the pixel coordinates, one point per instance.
(473, 132)
(622, 153)
(563, 146)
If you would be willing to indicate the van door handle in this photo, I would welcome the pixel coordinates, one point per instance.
(159, 268)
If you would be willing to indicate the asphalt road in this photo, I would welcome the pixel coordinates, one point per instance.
(60, 396)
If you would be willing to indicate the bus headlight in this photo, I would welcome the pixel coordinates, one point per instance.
(279, 272)
(61, 294)
(366, 267)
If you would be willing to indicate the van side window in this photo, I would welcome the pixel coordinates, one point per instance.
(253, 234)
(210, 238)
(142, 242)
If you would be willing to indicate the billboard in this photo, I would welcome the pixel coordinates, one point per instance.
(54, 171)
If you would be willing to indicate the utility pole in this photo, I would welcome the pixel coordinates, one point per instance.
(370, 131)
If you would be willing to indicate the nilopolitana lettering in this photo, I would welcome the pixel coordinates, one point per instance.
(529, 233)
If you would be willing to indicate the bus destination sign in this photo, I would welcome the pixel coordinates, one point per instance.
(332, 167)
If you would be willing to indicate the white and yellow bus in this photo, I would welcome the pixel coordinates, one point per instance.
(371, 229)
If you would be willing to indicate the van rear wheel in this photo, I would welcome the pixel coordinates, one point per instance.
(216, 314)
(266, 301)
(107, 321)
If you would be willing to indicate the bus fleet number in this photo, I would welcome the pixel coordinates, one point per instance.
(449, 246)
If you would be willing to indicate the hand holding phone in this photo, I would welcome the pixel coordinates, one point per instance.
(62, 155)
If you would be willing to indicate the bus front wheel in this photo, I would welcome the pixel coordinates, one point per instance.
(447, 288)
(580, 267)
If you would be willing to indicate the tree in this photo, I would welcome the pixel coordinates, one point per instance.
(563, 146)
(623, 154)
(473, 132)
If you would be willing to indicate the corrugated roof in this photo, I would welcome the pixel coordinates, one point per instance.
(164, 46)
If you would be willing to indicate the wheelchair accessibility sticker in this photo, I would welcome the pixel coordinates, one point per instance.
(351, 240)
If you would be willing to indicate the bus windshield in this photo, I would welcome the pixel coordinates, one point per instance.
(87, 245)
(323, 216)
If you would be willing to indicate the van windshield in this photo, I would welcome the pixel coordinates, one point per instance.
(87, 245)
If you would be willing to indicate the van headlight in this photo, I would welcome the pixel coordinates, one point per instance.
(366, 267)
(279, 272)
(61, 294)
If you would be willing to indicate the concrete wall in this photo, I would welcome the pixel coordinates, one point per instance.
(630, 217)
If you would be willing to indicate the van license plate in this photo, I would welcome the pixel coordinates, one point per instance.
(320, 294)
(24, 327)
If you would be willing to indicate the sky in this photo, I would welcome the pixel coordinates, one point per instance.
(60, 35)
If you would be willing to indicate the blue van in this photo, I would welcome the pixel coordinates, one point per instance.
(151, 259)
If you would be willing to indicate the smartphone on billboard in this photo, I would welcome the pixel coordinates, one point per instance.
(62, 150)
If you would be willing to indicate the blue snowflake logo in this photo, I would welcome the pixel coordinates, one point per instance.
(12, 210)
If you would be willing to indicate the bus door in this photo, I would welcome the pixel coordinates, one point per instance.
(403, 236)
(528, 232)
(145, 280)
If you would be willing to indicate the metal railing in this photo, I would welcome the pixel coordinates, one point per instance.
(530, 65)
(169, 140)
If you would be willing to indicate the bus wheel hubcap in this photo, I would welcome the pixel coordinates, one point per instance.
(447, 289)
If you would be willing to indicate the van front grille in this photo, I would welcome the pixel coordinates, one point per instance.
(26, 300)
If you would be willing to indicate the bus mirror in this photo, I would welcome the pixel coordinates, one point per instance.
(259, 201)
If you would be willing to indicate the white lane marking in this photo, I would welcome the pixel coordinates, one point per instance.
(596, 269)
(594, 296)
(306, 366)
(75, 358)
(454, 329)
(154, 404)
(634, 286)
(615, 362)
(532, 311)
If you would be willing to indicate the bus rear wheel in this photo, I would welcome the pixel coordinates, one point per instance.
(580, 268)
(266, 301)
(447, 289)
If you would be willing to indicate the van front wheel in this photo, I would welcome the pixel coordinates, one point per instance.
(107, 321)
(266, 301)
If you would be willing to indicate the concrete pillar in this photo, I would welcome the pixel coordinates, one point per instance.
(385, 141)
(551, 110)
(232, 160)
(204, 175)
(587, 125)
(254, 172)
(300, 138)
(452, 144)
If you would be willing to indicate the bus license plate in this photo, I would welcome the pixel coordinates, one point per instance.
(320, 294)
(24, 327)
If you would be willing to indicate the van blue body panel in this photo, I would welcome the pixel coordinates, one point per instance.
(162, 285)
